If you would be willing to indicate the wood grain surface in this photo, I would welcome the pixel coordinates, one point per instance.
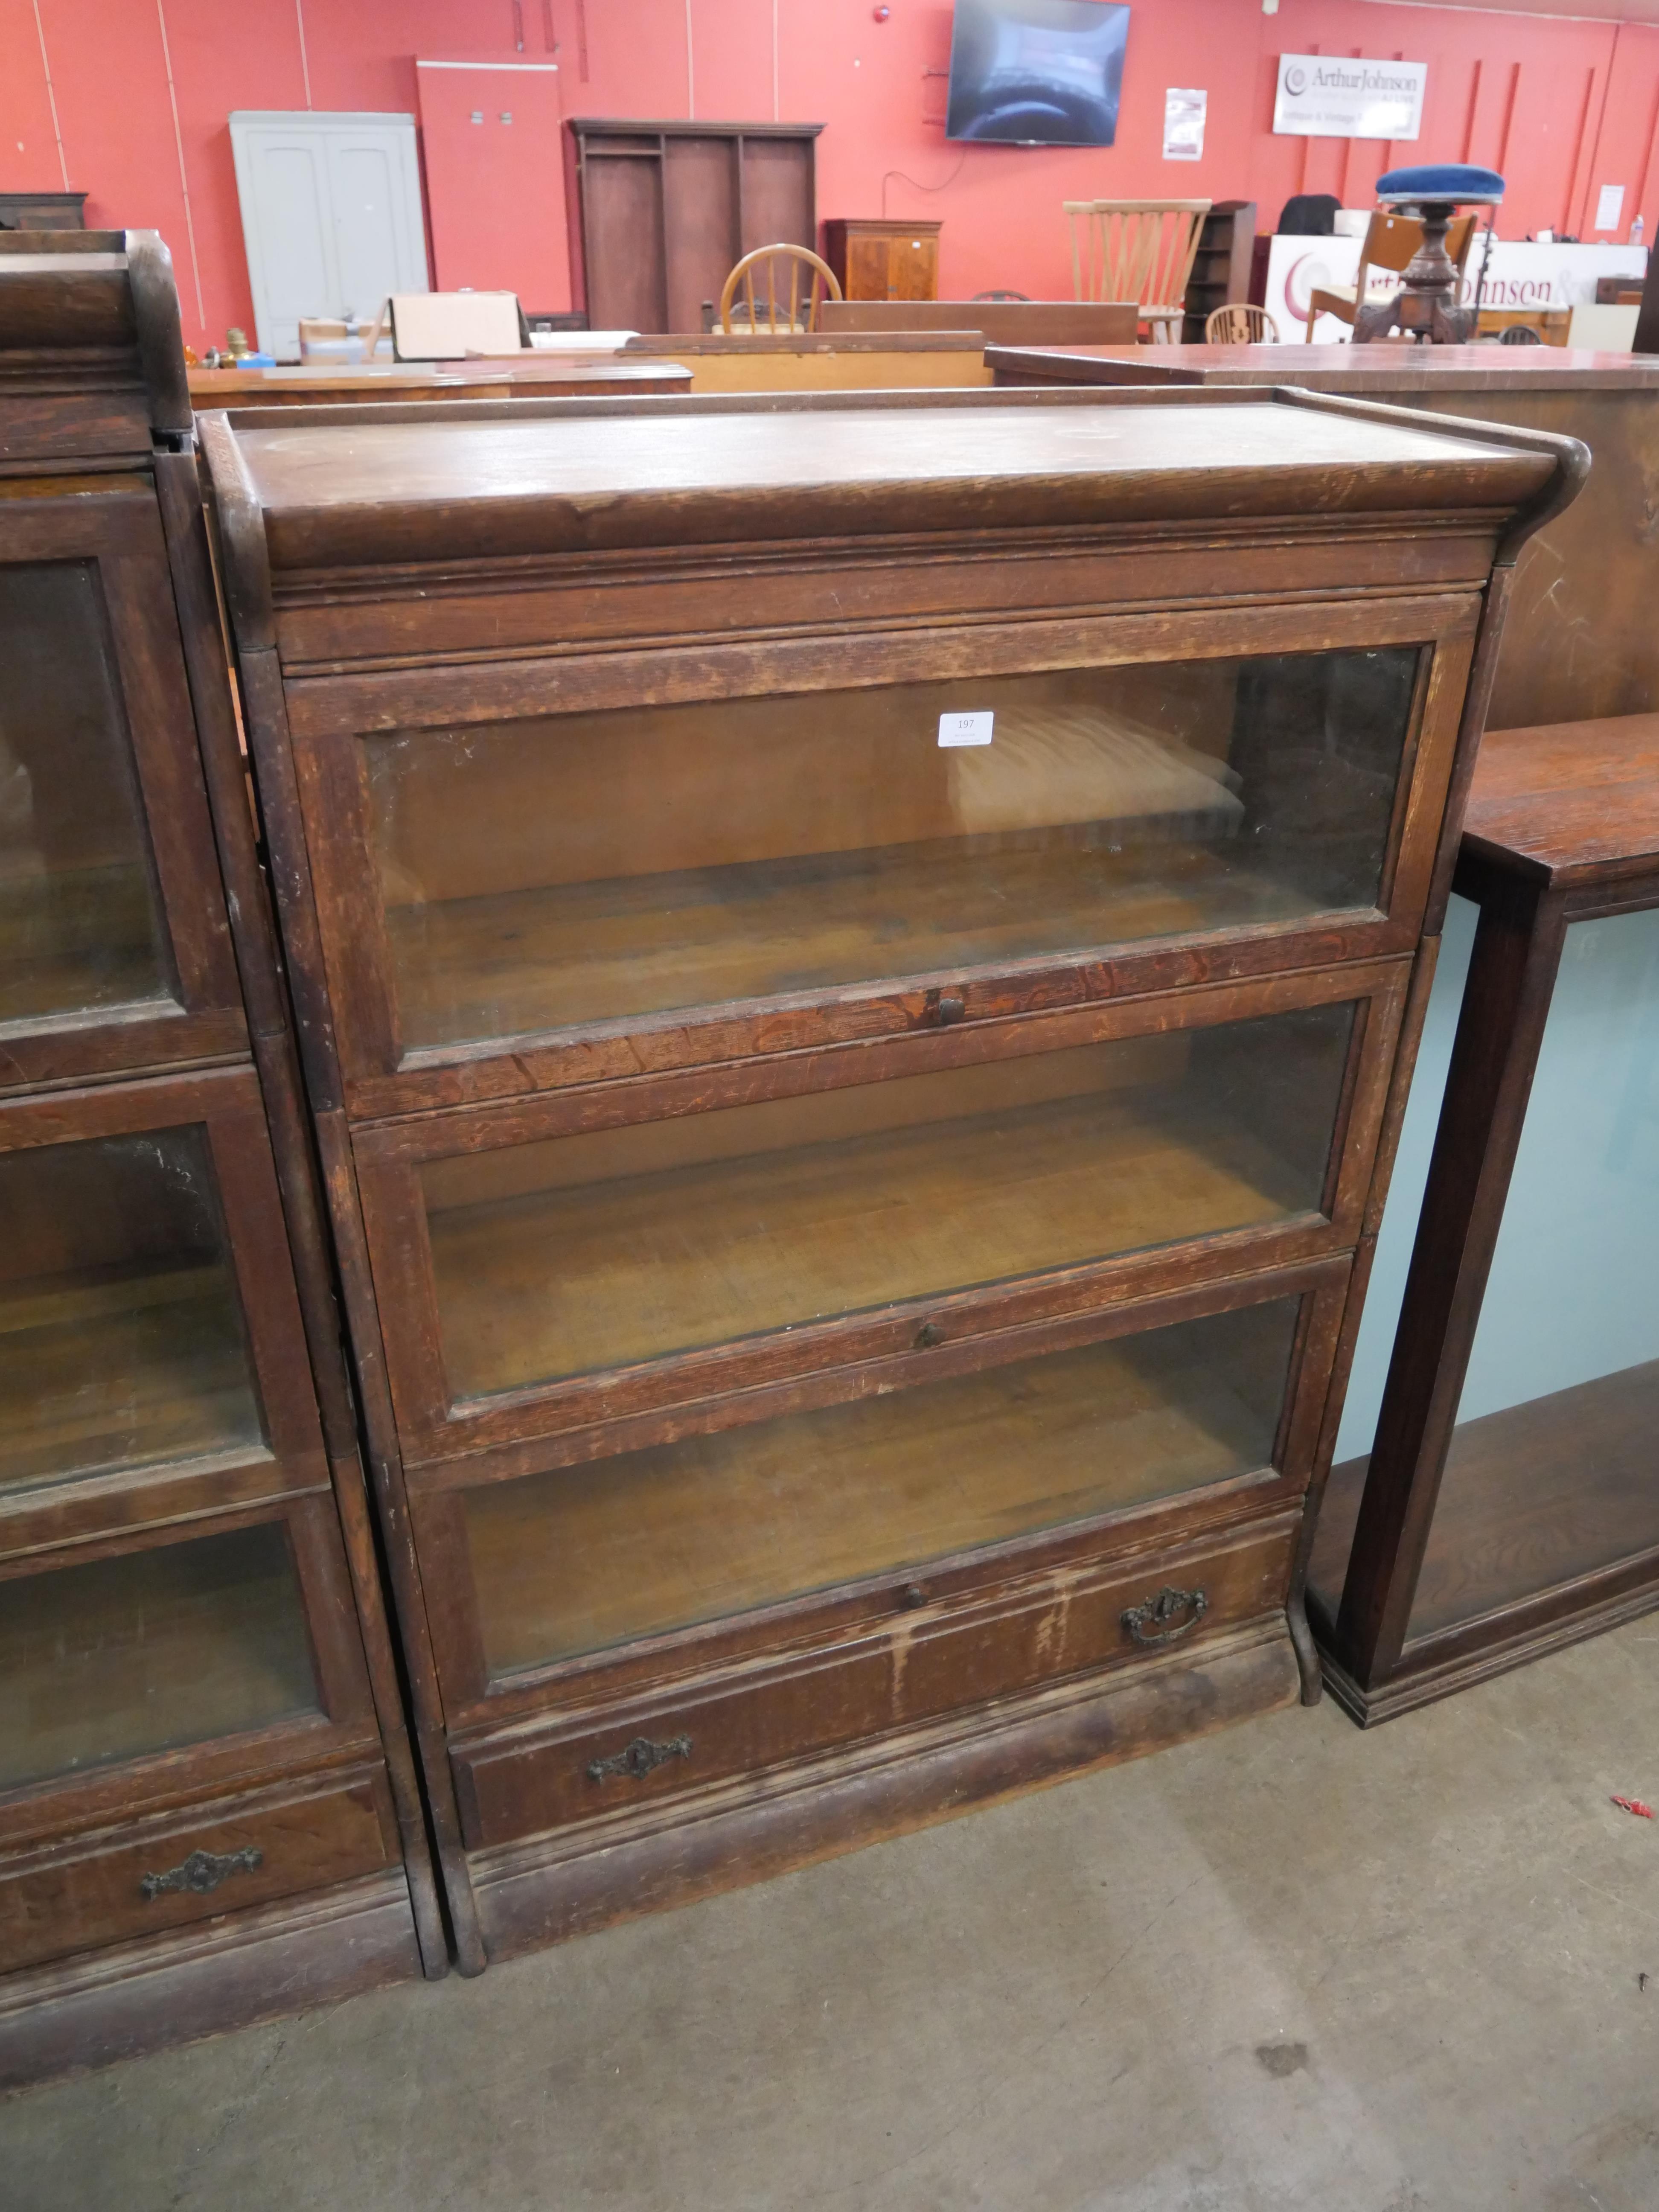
(1573, 800)
(1532, 1500)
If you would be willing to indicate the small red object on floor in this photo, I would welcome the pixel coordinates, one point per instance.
(1635, 1805)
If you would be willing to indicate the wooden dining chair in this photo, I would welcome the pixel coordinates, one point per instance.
(1238, 323)
(1140, 250)
(1391, 242)
(798, 260)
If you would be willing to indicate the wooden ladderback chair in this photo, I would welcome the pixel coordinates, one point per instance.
(1391, 242)
(1238, 323)
(1140, 250)
(799, 315)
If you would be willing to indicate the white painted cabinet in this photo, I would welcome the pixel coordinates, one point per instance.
(331, 216)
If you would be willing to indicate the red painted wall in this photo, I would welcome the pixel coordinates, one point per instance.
(1561, 105)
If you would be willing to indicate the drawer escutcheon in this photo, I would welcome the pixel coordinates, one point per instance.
(639, 1758)
(202, 1872)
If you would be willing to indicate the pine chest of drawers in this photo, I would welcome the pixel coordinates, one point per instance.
(856, 963)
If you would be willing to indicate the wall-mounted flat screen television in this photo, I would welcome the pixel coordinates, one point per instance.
(1036, 72)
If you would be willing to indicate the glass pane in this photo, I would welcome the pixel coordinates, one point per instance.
(165, 1647)
(584, 867)
(591, 1251)
(79, 924)
(121, 1337)
(1554, 1465)
(590, 1555)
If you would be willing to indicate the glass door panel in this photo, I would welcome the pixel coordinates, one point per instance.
(578, 1253)
(589, 1556)
(121, 1334)
(1553, 1470)
(589, 867)
(115, 1658)
(80, 922)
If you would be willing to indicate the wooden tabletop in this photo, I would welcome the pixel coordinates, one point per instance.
(584, 474)
(1577, 802)
(547, 376)
(1332, 368)
(967, 339)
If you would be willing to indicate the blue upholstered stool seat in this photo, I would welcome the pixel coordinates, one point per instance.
(1443, 181)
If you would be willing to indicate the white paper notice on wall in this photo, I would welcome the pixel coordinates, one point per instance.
(966, 729)
(1609, 207)
(1183, 124)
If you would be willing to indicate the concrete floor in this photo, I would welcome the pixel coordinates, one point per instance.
(1291, 1967)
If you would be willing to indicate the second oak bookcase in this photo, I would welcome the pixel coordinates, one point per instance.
(852, 959)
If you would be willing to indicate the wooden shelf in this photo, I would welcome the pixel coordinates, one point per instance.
(1532, 1499)
(591, 1555)
(124, 1368)
(524, 963)
(115, 1658)
(632, 1243)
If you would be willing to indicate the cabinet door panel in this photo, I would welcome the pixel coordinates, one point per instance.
(541, 1266)
(556, 874)
(603, 1250)
(149, 1326)
(649, 1541)
(114, 947)
(152, 1651)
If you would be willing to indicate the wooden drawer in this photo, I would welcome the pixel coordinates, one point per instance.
(916, 1669)
(119, 1884)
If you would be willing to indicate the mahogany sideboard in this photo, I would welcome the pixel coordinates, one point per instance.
(1510, 1501)
(1581, 639)
(208, 1803)
(855, 960)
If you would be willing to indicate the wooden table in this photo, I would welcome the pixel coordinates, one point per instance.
(844, 361)
(1580, 641)
(1465, 1544)
(547, 376)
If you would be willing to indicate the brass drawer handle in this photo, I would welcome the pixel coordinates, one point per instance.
(1154, 1622)
(639, 1758)
(202, 1872)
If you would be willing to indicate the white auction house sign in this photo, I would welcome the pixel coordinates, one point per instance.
(1328, 96)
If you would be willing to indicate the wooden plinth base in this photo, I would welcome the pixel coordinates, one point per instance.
(88, 2011)
(553, 1887)
(1422, 1680)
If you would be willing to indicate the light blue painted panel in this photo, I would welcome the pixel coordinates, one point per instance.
(1411, 1172)
(1574, 1290)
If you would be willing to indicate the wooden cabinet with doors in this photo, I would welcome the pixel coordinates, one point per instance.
(879, 260)
(208, 1803)
(660, 213)
(857, 962)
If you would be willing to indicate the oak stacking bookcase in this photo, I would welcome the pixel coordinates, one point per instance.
(207, 1792)
(852, 958)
